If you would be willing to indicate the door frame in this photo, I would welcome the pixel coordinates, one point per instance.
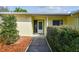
(40, 30)
(38, 20)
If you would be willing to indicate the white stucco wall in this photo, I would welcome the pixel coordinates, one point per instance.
(24, 25)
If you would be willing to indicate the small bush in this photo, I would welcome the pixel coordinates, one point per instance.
(8, 33)
(63, 39)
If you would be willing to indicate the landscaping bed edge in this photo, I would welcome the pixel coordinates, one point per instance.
(48, 44)
(28, 46)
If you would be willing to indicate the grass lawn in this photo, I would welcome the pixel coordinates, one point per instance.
(20, 46)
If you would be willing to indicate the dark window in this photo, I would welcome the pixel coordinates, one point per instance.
(35, 26)
(57, 22)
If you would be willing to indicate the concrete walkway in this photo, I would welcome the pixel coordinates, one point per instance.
(39, 44)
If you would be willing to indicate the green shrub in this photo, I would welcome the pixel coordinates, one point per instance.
(8, 33)
(63, 39)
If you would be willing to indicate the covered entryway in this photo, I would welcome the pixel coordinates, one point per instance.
(38, 26)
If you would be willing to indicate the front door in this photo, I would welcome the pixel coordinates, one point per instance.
(40, 26)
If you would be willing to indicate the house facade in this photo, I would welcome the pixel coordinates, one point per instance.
(29, 24)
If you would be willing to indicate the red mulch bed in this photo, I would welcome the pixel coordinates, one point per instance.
(19, 46)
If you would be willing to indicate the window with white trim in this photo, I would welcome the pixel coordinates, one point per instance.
(57, 22)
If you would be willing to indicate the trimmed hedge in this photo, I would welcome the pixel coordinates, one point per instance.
(63, 39)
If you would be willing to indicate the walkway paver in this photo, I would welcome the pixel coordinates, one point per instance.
(39, 44)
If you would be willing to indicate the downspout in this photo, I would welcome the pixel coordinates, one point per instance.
(47, 21)
(77, 22)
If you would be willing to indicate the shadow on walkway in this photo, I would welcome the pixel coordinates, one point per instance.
(39, 44)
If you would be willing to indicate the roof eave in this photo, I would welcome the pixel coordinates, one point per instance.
(49, 14)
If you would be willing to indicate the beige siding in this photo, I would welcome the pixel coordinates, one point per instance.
(57, 18)
(72, 22)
